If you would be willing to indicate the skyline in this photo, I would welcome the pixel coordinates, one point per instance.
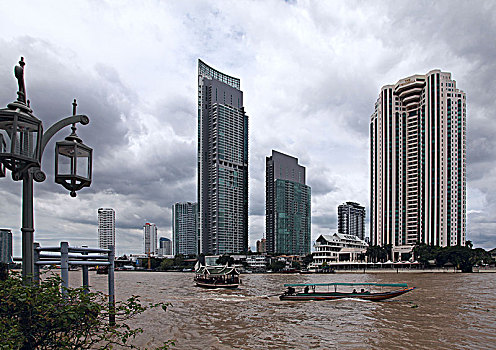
(310, 75)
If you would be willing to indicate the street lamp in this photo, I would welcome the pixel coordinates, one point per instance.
(22, 142)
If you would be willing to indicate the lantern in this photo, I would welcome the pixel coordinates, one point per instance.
(73, 163)
(20, 139)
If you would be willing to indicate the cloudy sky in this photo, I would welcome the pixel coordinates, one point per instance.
(311, 72)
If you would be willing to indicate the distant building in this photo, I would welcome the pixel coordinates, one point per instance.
(5, 246)
(351, 219)
(337, 248)
(165, 246)
(222, 163)
(256, 262)
(287, 206)
(106, 227)
(262, 246)
(150, 238)
(418, 164)
(185, 228)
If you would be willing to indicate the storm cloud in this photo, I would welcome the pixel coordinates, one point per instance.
(310, 72)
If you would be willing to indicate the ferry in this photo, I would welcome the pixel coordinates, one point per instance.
(217, 277)
(329, 291)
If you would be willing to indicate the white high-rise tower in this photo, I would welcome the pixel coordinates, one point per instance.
(106, 227)
(418, 161)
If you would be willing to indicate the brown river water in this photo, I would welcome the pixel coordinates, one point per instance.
(446, 311)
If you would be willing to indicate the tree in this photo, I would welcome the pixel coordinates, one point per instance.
(166, 264)
(42, 317)
(307, 260)
(376, 253)
(277, 265)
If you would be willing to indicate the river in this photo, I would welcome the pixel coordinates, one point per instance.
(446, 311)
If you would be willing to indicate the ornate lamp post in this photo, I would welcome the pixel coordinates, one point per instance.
(22, 142)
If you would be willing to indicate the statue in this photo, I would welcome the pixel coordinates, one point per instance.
(19, 74)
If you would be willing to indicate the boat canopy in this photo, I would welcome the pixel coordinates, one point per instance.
(346, 284)
(217, 270)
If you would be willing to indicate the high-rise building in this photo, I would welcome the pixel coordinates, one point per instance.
(418, 163)
(106, 227)
(185, 228)
(5, 246)
(150, 238)
(165, 246)
(351, 219)
(222, 163)
(262, 246)
(287, 206)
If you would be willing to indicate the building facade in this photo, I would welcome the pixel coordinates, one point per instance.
(185, 228)
(351, 219)
(150, 238)
(165, 246)
(222, 163)
(106, 227)
(287, 206)
(5, 246)
(338, 248)
(418, 163)
(262, 246)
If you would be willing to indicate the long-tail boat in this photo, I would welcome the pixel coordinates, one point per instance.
(217, 277)
(367, 291)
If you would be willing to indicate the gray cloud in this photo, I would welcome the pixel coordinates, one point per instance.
(310, 72)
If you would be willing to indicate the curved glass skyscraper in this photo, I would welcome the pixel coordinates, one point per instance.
(222, 163)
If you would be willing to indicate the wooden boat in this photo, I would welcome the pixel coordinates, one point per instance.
(368, 291)
(217, 277)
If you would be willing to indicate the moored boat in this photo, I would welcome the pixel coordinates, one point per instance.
(217, 277)
(368, 291)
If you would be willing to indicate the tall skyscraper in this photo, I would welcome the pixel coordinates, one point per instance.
(287, 206)
(185, 228)
(150, 238)
(351, 219)
(418, 163)
(106, 227)
(222, 163)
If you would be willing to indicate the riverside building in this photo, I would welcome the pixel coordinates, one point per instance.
(222, 163)
(418, 162)
(150, 239)
(185, 228)
(337, 248)
(287, 206)
(106, 227)
(351, 219)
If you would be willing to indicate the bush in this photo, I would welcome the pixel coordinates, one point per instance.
(40, 316)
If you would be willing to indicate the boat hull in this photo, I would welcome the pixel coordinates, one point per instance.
(338, 295)
(217, 285)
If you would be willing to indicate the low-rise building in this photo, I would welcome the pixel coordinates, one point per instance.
(256, 262)
(337, 248)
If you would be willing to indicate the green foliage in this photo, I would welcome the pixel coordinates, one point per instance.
(463, 258)
(276, 266)
(40, 316)
(307, 259)
(376, 253)
(177, 263)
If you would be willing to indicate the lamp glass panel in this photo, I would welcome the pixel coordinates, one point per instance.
(65, 160)
(26, 139)
(82, 163)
